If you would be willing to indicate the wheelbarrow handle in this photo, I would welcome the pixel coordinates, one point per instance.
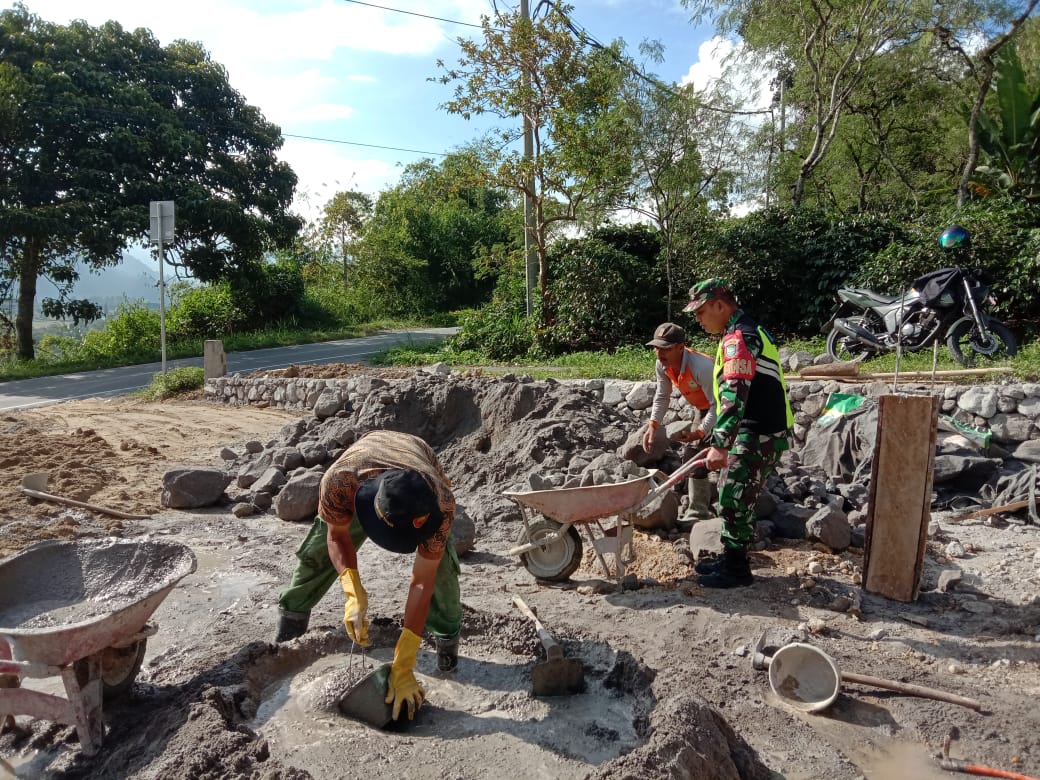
(672, 481)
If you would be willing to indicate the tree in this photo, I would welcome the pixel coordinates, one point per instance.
(834, 45)
(540, 71)
(342, 220)
(97, 122)
(681, 162)
(433, 240)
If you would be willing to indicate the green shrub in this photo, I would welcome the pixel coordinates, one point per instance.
(134, 332)
(501, 330)
(177, 381)
(206, 312)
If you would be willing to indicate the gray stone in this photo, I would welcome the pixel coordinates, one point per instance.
(463, 531)
(298, 500)
(1011, 427)
(706, 538)
(1030, 406)
(829, 526)
(327, 404)
(250, 472)
(641, 396)
(243, 509)
(269, 482)
(660, 514)
(979, 400)
(789, 520)
(1028, 451)
(286, 458)
(227, 453)
(254, 446)
(614, 392)
(193, 488)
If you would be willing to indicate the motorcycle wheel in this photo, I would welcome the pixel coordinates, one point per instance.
(967, 345)
(846, 349)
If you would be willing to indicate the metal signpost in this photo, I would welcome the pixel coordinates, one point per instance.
(161, 232)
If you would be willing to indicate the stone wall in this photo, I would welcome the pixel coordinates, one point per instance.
(1010, 410)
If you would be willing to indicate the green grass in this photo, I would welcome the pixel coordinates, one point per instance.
(636, 362)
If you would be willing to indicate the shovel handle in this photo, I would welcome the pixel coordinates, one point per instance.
(552, 647)
(914, 690)
(81, 504)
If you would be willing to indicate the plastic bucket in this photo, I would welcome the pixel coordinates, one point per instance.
(804, 677)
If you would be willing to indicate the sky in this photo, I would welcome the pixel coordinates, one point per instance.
(356, 75)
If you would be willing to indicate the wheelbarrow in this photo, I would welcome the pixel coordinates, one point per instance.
(550, 546)
(80, 610)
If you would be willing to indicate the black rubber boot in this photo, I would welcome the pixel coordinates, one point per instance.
(291, 625)
(734, 571)
(709, 564)
(447, 653)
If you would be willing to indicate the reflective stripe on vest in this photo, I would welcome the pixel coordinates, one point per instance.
(768, 364)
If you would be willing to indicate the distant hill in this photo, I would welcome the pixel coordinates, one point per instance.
(135, 279)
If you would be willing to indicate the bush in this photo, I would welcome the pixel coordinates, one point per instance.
(605, 289)
(177, 381)
(785, 267)
(206, 313)
(501, 330)
(133, 333)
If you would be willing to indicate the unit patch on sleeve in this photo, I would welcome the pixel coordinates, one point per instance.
(738, 361)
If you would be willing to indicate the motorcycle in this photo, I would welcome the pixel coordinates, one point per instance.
(943, 305)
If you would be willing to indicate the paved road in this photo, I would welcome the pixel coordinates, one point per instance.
(26, 393)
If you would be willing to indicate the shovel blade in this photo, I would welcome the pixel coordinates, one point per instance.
(36, 481)
(558, 678)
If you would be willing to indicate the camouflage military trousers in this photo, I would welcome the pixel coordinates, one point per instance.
(752, 459)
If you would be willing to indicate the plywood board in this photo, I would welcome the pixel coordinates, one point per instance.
(900, 495)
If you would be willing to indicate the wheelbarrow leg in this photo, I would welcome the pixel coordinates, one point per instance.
(83, 687)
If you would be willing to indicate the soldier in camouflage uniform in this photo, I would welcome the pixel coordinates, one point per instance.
(753, 425)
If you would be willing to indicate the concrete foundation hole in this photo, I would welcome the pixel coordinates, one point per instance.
(483, 715)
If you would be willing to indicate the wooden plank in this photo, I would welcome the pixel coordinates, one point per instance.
(900, 495)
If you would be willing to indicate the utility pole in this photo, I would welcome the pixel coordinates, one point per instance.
(161, 231)
(530, 229)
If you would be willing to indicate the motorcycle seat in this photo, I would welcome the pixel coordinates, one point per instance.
(871, 295)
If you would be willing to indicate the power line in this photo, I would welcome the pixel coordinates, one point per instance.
(358, 143)
(413, 13)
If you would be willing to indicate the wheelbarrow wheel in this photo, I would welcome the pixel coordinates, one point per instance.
(555, 561)
(119, 668)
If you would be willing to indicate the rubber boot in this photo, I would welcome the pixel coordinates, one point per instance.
(699, 508)
(291, 625)
(733, 571)
(447, 653)
(709, 565)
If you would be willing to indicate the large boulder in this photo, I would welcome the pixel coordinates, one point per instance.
(187, 488)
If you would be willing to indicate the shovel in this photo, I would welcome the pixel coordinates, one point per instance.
(558, 676)
(35, 484)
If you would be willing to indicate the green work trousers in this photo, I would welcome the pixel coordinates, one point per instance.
(315, 574)
(751, 460)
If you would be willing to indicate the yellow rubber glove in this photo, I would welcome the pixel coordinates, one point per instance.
(403, 687)
(355, 614)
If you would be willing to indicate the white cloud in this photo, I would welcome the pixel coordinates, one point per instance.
(325, 169)
(723, 63)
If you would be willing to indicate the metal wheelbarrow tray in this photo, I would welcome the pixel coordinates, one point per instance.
(80, 610)
(551, 547)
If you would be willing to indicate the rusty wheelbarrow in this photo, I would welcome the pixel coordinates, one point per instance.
(80, 610)
(550, 546)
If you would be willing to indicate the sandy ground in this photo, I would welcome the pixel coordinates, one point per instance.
(663, 661)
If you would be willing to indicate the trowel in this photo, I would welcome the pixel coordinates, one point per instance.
(365, 700)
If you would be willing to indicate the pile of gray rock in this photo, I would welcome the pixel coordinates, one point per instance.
(512, 433)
